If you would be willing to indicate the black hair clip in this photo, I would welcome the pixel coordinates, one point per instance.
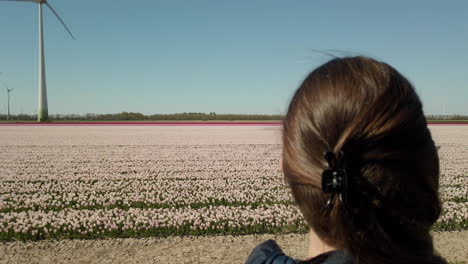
(334, 179)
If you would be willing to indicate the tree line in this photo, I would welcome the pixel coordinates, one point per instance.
(131, 116)
(447, 117)
(212, 116)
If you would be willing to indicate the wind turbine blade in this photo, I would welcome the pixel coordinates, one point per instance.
(34, 1)
(63, 23)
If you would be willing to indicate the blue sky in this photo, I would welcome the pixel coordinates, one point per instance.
(171, 56)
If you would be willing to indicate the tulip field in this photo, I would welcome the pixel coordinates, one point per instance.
(66, 182)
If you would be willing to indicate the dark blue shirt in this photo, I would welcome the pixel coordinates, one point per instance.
(270, 253)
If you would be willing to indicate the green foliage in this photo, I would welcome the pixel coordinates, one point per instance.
(451, 226)
(192, 116)
(130, 116)
(447, 117)
(218, 228)
(143, 205)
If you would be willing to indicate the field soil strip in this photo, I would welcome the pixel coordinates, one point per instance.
(215, 249)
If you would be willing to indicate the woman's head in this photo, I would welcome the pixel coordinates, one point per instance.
(371, 113)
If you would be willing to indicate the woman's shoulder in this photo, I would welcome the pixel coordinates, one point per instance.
(269, 252)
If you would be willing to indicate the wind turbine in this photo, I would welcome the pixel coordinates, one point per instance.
(8, 92)
(43, 111)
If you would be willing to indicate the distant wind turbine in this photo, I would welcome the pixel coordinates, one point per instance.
(445, 111)
(8, 92)
(43, 111)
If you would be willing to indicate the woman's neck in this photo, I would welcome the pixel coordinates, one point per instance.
(317, 246)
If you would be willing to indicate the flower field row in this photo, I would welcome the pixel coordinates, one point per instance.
(163, 222)
(124, 190)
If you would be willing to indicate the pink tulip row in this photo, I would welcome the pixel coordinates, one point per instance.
(212, 217)
(164, 197)
(455, 216)
(88, 221)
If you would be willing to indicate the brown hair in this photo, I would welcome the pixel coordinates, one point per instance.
(368, 110)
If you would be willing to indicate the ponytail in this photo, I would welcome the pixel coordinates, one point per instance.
(371, 113)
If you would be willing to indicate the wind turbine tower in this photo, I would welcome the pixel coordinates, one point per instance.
(8, 92)
(43, 111)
